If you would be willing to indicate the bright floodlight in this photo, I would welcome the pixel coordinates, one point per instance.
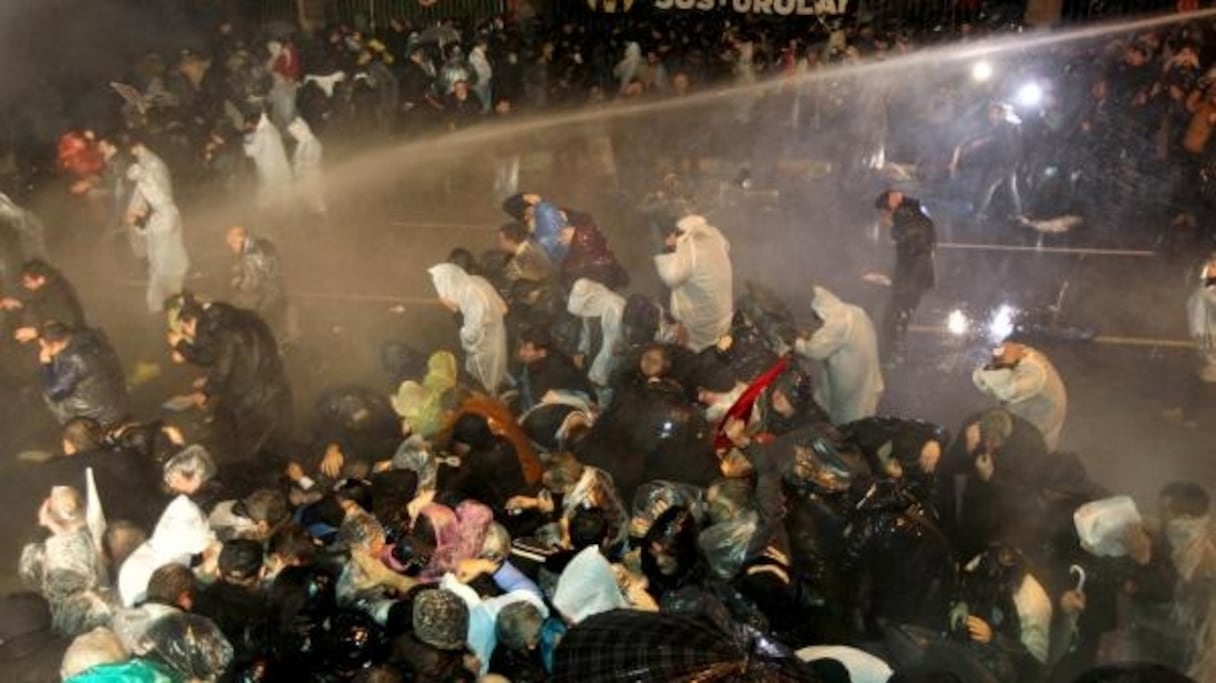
(957, 324)
(981, 72)
(1000, 326)
(1030, 95)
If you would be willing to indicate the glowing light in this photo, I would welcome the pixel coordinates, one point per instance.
(981, 72)
(1000, 325)
(957, 323)
(1030, 95)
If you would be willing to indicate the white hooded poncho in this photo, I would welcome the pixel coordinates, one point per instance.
(627, 69)
(483, 336)
(590, 299)
(306, 167)
(154, 169)
(847, 350)
(1201, 318)
(181, 532)
(265, 146)
(1032, 390)
(587, 587)
(699, 275)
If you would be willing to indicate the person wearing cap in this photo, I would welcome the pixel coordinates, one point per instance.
(435, 650)
(915, 239)
(1027, 384)
(30, 652)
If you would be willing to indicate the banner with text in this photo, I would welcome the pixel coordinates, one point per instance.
(780, 8)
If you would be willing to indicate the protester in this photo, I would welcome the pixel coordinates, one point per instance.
(1026, 383)
(697, 269)
(482, 334)
(81, 375)
(474, 523)
(847, 351)
(915, 240)
(48, 297)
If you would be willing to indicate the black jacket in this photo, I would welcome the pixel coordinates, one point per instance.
(244, 371)
(56, 300)
(915, 241)
(553, 372)
(127, 483)
(242, 615)
(86, 380)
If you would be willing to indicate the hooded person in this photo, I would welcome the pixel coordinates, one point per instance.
(193, 647)
(306, 168)
(1027, 385)
(264, 145)
(846, 347)
(182, 530)
(587, 587)
(630, 65)
(156, 172)
(1201, 321)
(168, 261)
(483, 336)
(592, 301)
(66, 568)
(698, 271)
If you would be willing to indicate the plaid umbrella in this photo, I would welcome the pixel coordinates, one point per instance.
(646, 647)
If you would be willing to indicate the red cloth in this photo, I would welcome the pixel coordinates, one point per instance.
(78, 155)
(287, 64)
(742, 408)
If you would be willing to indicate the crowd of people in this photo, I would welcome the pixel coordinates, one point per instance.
(596, 485)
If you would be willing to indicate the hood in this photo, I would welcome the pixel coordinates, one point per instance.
(440, 371)
(587, 587)
(590, 299)
(450, 281)
(826, 304)
(633, 51)
(182, 530)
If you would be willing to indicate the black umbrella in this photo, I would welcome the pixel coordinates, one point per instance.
(646, 647)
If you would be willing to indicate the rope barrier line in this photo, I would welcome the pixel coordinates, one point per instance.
(1135, 253)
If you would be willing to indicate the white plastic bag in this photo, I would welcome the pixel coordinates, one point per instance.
(1102, 523)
